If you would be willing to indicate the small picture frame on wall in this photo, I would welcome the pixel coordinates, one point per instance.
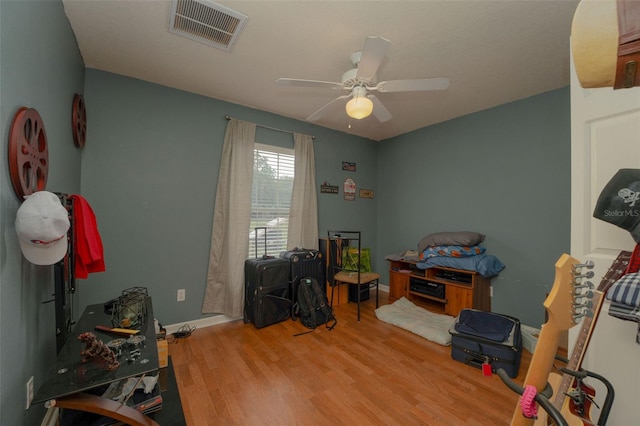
(349, 190)
(366, 193)
(327, 188)
(348, 166)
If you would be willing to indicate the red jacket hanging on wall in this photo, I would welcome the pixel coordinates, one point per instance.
(88, 251)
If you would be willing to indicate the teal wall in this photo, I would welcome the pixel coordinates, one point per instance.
(41, 68)
(504, 172)
(149, 170)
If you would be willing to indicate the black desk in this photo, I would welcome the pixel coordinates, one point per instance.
(69, 377)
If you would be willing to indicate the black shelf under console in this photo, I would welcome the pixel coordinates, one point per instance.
(428, 288)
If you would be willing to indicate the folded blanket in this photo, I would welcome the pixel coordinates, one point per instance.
(405, 314)
(627, 313)
(452, 251)
(486, 265)
(626, 291)
(407, 255)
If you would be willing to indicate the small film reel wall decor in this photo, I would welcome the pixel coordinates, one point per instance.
(29, 149)
(28, 152)
(79, 121)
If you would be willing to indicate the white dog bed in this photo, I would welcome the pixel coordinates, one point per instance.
(404, 314)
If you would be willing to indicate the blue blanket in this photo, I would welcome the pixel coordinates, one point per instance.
(486, 265)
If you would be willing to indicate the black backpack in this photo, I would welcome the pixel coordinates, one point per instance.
(312, 306)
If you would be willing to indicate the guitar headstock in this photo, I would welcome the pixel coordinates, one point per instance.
(615, 271)
(569, 280)
(583, 300)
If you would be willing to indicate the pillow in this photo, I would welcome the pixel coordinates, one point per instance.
(462, 238)
(452, 251)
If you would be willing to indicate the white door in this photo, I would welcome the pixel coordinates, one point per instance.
(605, 128)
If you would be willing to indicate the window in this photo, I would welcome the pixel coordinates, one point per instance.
(273, 170)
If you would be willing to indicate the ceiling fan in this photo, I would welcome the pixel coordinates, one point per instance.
(360, 81)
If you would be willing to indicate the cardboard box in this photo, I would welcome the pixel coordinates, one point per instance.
(163, 353)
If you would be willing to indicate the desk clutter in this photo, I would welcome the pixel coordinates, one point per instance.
(164, 407)
(140, 393)
(113, 363)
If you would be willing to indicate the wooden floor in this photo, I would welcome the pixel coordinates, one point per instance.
(366, 373)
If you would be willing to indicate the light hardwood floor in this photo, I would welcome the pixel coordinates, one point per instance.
(366, 373)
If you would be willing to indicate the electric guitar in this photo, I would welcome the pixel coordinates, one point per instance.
(560, 305)
(564, 384)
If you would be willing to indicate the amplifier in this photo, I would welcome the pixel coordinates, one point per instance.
(428, 288)
(454, 276)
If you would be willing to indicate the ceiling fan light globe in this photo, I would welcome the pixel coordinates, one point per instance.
(359, 107)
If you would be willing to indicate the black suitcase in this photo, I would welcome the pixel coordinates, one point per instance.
(267, 298)
(305, 263)
(479, 337)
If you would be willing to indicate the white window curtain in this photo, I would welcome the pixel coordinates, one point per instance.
(232, 215)
(303, 213)
(231, 220)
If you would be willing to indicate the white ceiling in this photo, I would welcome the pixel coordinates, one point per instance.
(494, 52)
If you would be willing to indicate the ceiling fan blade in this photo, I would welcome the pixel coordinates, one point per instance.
(308, 83)
(379, 110)
(372, 55)
(413, 85)
(322, 111)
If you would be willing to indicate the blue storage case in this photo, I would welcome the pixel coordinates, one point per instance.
(478, 337)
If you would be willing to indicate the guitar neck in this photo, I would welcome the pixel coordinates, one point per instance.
(542, 358)
(579, 349)
(616, 270)
(559, 305)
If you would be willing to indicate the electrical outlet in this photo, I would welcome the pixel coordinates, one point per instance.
(181, 295)
(29, 392)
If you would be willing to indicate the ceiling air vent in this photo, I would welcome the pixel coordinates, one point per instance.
(207, 22)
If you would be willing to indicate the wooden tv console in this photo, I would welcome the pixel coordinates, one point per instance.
(439, 289)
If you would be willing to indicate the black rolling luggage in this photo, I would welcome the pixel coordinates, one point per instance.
(267, 298)
(487, 339)
(305, 263)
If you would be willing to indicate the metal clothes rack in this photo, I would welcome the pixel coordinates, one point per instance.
(64, 281)
(270, 128)
(351, 275)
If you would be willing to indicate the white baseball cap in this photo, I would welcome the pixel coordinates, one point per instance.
(42, 224)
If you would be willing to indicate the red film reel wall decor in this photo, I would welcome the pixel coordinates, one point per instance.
(79, 121)
(28, 152)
